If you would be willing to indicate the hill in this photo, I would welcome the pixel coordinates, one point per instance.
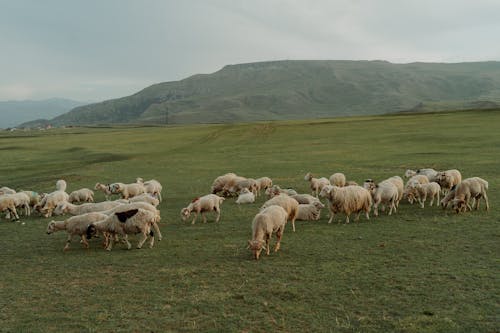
(13, 113)
(281, 90)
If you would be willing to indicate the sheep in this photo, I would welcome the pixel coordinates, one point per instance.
(269, 220)
(409, 190)
(21, 200)
(475, 188)
(410, 173)
(50, 202)
(447, 179)
(66, 207)
(248, 183)
(423, 190)
(398, 182)
(206, 203)
(220, 182)
(384, 192)
(290, 205)
(430, 173)
(351, 183)
(105, 189)
(6, 190)
(145, 197)
(152, 187)
(304, 198)
(61, 185)
(8, 204)
(76, 226)
(81, 195)
(448, 197)
(338, 179)
(317, 184)
(347, 200)
(310, 212)
(263, 183)
(276, 190)
(132, 221)
(34, 197)
(245, 197)
(127, 190)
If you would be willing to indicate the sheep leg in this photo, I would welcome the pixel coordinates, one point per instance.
(152, 239)
(267, 243)
(143, 239)
(332, 214)
(375, 209)
(68, 242)
(485, 197)
(357, 216)
(279, 234)
(85, 242)
(157, 231)
(347, 218)
(217, 211)
(293, 225)
(195, 217)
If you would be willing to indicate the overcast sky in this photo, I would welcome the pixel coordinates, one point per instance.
(91, 50)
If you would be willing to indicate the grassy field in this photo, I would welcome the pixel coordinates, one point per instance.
(420, 270)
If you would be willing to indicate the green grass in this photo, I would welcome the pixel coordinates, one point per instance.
(420, 270)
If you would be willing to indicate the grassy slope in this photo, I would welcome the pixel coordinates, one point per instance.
(416, 271)
(284, 90)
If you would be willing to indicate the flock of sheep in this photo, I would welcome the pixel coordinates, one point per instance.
(136, 213)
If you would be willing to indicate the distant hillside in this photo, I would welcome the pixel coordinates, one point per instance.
(13, 113)
(301, 89)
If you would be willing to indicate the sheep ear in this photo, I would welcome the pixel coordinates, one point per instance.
(123, 216)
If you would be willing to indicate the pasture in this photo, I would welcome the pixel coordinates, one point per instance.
(419, 270)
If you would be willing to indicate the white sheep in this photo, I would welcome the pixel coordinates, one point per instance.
(127, 190)
(50, 202)
(104, 188)
(245, 197)
(474, 188)
(347, 200)
(21, 200)
(310, 212)
(268, 221)
(410, 173)
(430, 173)
(221, 182)
(206, 203)
(277, 190)
(449, 178)
(6, 190)
(316, 184)
(263, 183)
(8, 204)
(76, 226)
(338, 179)
(409, 190)
(152, 187)
(431, 190)
(61, 185)
(81, 195)
(34, 197)
(133, 221)
(290, 205)
(145, 197)
(304, 198)
(385, 193)
(69, 208)
(398, 182)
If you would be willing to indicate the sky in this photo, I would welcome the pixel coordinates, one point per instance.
(93, 50)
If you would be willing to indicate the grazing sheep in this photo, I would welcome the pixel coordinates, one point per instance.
(145, 197)
(206, 203)
(310, 212)
(447, 179)
(338, 179)
(347, 200)
(316, 184)
(61, 185)
(221, 182)
(34, 197)
(290, 205)
(448, 197)
(268, 220)
(81, 195)
(385, 193)
(76, 226)
(8, 204)
(21, 200)
(132, 221)
(263, 183)
(423, 190)
(475, 188)
(66, 207)
(50, 202)
(409, 190)
(127, 190)
(152, 187)
(304, 198)
(245, 197)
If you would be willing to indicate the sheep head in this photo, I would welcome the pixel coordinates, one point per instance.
(308, 176)
(326, 191)
(185, 213)
(459, 205)
(61, 208)
(256, 246)
(51, 227)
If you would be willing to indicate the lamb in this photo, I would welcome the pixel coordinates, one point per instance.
(220, 182)
(310, 212)
(474, 187)
(290, 205)
(81, 195)
(61, 185)
(50, 202)
(263, 183)
(105, 188)
(423, 190)
(384, 192)
(268, 220)
(8, 204)
(305, 198)
(245, 197)
(449, 178)
(132, 221)
(127, 190)
(152, 187)
(348, 200)
(206, 203)
(76, 226)
(338, 179)
(145, 197)
(66, 207)
(317, 184)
